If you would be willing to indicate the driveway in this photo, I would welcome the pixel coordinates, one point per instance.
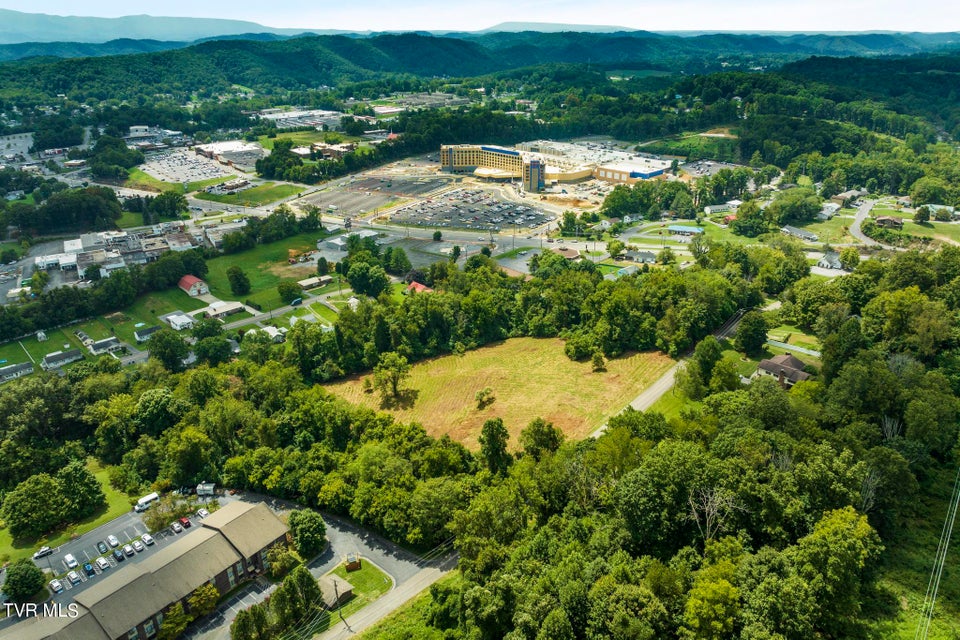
(855, 231)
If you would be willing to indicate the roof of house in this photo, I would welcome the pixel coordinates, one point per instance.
(248, 527)
(16, 368)
(146, 331)
(62, 356)
(332, 595)
(188, 281)
(789, 365)
(106, 342)
(418, 288)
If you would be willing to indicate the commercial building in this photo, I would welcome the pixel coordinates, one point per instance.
(229, 547)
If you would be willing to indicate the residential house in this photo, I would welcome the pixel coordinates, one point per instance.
(830, 260)
(314, 282)
(787, 369)
(416, 287)
(806, 236)
(142, 335)
(640, 257)
(58, 359)
(179, 321)
(889, 222)
(11, 371)
(107, 345)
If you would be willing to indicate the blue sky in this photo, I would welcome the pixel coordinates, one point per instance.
(770, 15)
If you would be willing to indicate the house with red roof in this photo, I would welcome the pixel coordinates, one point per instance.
(193, 286)
(416, 287)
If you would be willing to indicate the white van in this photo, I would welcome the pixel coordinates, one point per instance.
(144, 503)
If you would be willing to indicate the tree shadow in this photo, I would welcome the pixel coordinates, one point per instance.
(405, 399)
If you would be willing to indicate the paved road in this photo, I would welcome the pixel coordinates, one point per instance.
(401, 565)
(858, 220)
(664, 383)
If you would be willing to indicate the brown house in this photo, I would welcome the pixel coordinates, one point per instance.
(889, 222)
(787, 369)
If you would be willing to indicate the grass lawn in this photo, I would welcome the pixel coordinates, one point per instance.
(56, 339)
(324, 312)
(530, 378)
(694, 145)
(117, 505)
(137, 179)
(201, 184)
(794, 335)
(255, 196)
(835, 231)
(265, 265)
(410, 621)
(513, 253)
(300, 138)
(146, 309)
(369, 583)
(130, 219)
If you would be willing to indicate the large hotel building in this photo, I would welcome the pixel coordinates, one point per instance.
(539, 162)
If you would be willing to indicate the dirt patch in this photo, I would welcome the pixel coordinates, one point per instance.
(720, 132)
(297, 271)
(117, 318)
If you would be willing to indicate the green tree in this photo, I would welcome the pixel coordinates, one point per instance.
(80, 491)
(239, 282)
(922, 215)
(367, 279)
(849, 258)
(207, 328)
(391, 371)
(751, 333)
(34, 507)
(203, 600)
(23, 580)
(707, 353)
(308, 531)
(615, 248)
(213, 350)
(289, 290)
(437, 236)
(169, 348)
(493, 446)
(540, 437)
(455, 253)
(175, 622)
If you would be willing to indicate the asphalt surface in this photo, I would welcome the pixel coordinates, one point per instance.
(855, 231)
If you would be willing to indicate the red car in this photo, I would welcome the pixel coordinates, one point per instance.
(185, 522)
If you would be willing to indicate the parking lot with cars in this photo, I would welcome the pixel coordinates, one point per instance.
(464, 208)
(122, 541)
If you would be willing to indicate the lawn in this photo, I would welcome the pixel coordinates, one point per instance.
(300, 138)
(130, 219)
(694, 146)
(369, 583)
(255, 196)
(835, 231)
(209, 182)
(137, 179)
(794, 335)
(265, 265)
(146, 309)
(410, 621)
(324, 312)
(529, 377)
(117, 505)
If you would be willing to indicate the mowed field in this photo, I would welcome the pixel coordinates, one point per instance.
(530, 378)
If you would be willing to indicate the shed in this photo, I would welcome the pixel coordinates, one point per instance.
(193, 286)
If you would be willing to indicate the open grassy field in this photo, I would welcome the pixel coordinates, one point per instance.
(117, 504)
(201, 184)
(835, 231)
(369, 583)
(137, 179)
(255, 196)
(794, 335)
(300, 138)
(130, 219)
(529, 377)
(693, 146)
(266, 265)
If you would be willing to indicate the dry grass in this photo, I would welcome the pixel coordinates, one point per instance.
(530, 378)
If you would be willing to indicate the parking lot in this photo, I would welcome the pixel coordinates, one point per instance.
(182, 166)
(465, 208)
(126, 528)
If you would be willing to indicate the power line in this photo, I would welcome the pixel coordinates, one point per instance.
(933, 585)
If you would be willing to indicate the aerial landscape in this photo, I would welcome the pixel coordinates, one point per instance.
(481, 321)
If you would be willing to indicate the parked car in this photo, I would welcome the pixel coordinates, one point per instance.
(88, 569)
(127, 550)
(112, 541)
(102, 564)
(70, 561)
(138, 546)
(147, 539)
(56, 586)
(185, 522)
(101, 546)
(176, 527)
(118, 555)
(43, 551)
(202, 513)
(73, 577)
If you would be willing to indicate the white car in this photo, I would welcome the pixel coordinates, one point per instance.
(112, 541)
(102, 564)
(56, 586)
(202, 513)
(70, 561)
(147, 539)
(138, 546)
(73, 577)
